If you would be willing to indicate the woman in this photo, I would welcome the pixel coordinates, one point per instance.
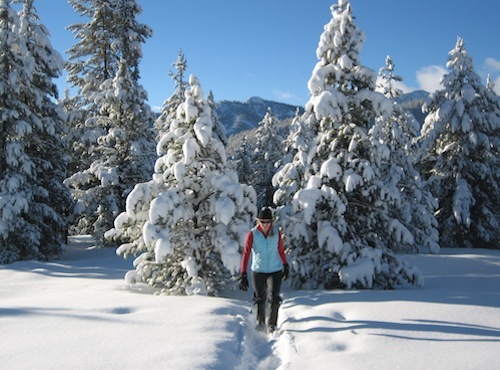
(269, 266)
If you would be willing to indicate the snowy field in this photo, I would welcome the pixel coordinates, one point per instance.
(78, 313)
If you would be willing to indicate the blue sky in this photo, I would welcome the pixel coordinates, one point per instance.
(267, 48)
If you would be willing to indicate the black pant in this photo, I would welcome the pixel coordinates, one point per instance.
(267, 285)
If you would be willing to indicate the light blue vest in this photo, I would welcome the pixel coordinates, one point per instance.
(265, 255)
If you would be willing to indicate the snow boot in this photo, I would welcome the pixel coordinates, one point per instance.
(261, 316)
(273, 316)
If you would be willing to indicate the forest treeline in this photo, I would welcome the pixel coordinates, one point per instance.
(353, 178)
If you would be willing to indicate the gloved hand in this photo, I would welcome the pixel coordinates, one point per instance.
(286, 271)
(243, 281)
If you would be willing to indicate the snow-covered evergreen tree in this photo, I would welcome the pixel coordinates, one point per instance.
(111, 34)
(33, 201)
(490, 86)
(241, 159)
(411, 207)
(219, 129)
(188, 223)
(139, 201)
(91, 62)
(460, 155)
(122, 153)
(388, 80)
(291, 142)
(96, 56)
(170, 105)
(338, 220)
(267, 153)
(292, 170)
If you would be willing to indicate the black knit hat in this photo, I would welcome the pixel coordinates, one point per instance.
(265, 213)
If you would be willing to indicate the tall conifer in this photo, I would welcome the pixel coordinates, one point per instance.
(412, 226)
(188, 223)
(337, 223)
(117, 131)
(460, 155)
(33, 201)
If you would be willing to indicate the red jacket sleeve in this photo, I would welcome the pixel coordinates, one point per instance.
(281, 248)
(247, 250)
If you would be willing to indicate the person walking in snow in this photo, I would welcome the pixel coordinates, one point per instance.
(269, 267)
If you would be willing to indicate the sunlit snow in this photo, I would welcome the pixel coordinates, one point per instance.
(78, 313)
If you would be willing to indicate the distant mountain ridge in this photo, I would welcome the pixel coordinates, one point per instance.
(241, 116)
(413, 102)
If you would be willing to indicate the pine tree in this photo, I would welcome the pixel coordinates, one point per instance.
(111, 34)
(336, 224)
(411, 207)
(177, 98)
(490, 86)
(33, 201)
(91, 61)
(186, 225)
(122, 153)
(219, 129)
(268, 151)
(292, 169)
(388, 80)
(459, 158)
(131, 222)
(125, 154)
(241, 158)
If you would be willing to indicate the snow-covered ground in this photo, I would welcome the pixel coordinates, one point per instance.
(78, 313)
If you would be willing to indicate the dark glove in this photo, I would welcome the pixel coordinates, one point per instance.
(243, 281)
(286, 271)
